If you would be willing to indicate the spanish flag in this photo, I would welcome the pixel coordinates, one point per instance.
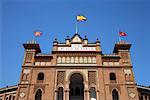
(122, 34)
(81, 18)
(37, 33)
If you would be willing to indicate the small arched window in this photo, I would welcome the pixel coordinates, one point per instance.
(112, 76)
(92, 93)
(40, 76)
(115, 95)
(38, 95)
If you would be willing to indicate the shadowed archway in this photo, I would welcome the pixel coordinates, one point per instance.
(76, 87)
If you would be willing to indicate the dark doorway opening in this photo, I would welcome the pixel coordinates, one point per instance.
(76, 87)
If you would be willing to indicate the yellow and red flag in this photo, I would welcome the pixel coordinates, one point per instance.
(81, 18)
(37, 33)
(122, 34)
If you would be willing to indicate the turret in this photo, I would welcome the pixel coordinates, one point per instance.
(122, 48)
(98, 45)
(67, 41)
(85, 41)
(31, 49)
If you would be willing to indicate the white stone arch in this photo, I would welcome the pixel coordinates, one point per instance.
(89, 60)
(76, 60)
(67, 59)
(63, 59)
(59, 60)
(92, 86)
(116, 90)
(77, 72)
(60, 85)
(85, 60)
(94, 59)
(72, 59)
(80, 59)
(38, 89)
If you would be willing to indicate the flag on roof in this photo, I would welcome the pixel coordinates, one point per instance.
(122, 34)
(81, 18)
(37, 33)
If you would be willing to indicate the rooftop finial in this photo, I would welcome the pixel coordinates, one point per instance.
(55, 39)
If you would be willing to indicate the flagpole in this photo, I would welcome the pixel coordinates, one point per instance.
(119, 39)
(33, 35)
(76, 27)
(118, 35)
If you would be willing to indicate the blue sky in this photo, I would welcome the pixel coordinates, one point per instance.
(19, 18)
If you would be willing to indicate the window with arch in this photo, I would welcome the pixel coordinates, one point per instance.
(68, 60)
(92, 93)
(94, 59)
(89, 60)
(85, 59)
(40, 76)
(112, 76)
(76, 60)
(38, 95)
(59, 60)
(127, 77)
(115, 95)
(81, 60)
(72, 60)
(63, 59)
(60, 93)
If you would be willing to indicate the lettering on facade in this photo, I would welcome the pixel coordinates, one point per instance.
(76, 47)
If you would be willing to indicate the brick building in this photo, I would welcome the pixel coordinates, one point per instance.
(76, 70)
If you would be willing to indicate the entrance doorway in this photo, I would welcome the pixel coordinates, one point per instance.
(76, 87)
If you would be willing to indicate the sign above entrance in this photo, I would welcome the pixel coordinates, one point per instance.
(76, 47)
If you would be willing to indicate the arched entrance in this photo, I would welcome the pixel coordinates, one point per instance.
(76, 87)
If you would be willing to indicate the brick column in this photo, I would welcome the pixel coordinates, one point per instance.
(3, 97)
(66, 94)
(56, 94)
(86, 95)
(143, 97)
(86, 90)
(147, 97)
(97, 95)
(67, 90)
